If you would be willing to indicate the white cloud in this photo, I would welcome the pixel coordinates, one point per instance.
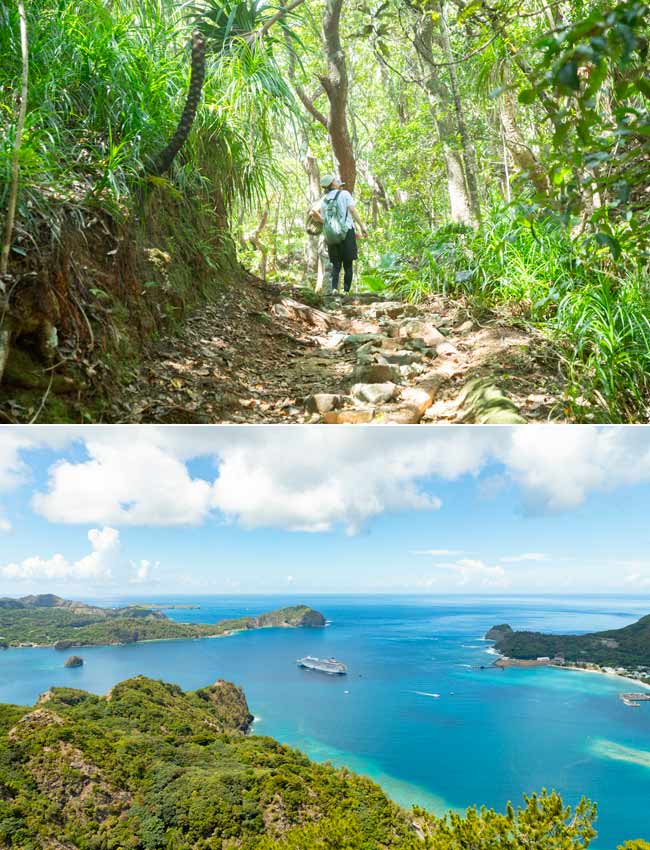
(5, 525)
(129, 482)
(525, 556)
(142, 571)
(297, 479)
(15, 441)
(13, 470)
(473, 573)
(94, 566)
(313, 482)
(290, 579)
(313, 479)
(559, 467)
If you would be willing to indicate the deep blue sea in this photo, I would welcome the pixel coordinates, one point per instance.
(416, 713)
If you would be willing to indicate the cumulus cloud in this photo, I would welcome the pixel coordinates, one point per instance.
(16, 441)
(128, 482)
(96, 565)
(300, 480)
(314, 479)
(142, 571)
(558, 467)
(255, 493)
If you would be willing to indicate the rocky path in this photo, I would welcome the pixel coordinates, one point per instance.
(267, 356)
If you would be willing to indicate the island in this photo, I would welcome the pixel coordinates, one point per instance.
(149, 766)
(74, 661)
(48, 620)
(624, 652)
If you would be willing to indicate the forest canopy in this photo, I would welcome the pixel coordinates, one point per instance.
(150, 766)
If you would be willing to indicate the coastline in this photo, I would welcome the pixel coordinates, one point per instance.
(227, 633)
(504, 662)
(636, 682)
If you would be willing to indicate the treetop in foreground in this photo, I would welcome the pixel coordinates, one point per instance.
(150, 766)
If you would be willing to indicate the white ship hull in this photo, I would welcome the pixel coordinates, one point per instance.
(330, 665)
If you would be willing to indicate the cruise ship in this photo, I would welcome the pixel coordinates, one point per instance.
(323, 665)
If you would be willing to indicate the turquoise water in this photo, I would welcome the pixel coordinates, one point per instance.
(488, 736)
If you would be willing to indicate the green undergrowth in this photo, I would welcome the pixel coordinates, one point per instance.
(530, 267)
(124, 255)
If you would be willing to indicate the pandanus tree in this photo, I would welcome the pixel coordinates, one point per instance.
(221, 28)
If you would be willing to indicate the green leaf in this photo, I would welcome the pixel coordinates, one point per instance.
(527, 96)
(567, 76)
(469, 10)
(643, 85)
(608, 241)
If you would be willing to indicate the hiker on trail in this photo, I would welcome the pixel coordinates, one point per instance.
(338, 214)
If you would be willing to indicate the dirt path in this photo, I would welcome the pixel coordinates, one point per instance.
(262, 355)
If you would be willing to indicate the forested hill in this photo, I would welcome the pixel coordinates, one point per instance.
(628, 647)
(149, 767)
(64, 624)
(499, 153)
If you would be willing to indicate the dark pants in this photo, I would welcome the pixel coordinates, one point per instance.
(347, 275)
(344, 254)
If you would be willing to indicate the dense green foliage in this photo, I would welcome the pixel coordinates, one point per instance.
(627, 647)
(118, 253)
(544, 110)
(84, 625)
(150, 766)
(555, 102)
(105, 87)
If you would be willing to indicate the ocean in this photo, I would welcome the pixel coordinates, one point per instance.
(416, 712)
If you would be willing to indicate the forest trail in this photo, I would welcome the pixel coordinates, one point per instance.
(263, 355)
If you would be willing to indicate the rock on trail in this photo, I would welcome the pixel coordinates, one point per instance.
(264, 355)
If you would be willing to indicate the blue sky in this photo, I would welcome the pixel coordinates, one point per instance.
(102, 511)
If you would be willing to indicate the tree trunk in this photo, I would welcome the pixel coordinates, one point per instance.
(459, 201)
(379, 196)
(310, 165)
(335, 83)
(522, 156)
(467, 148)
(165, 158)
(440, 98)
(506, 168)
(257, 243)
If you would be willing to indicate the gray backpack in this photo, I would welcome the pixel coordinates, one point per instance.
(334, 221)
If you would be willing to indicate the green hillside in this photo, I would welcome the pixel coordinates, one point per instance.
(65, 624)
(627, 647)
(149, 766)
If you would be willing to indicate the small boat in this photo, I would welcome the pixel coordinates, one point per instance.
(323, 665)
